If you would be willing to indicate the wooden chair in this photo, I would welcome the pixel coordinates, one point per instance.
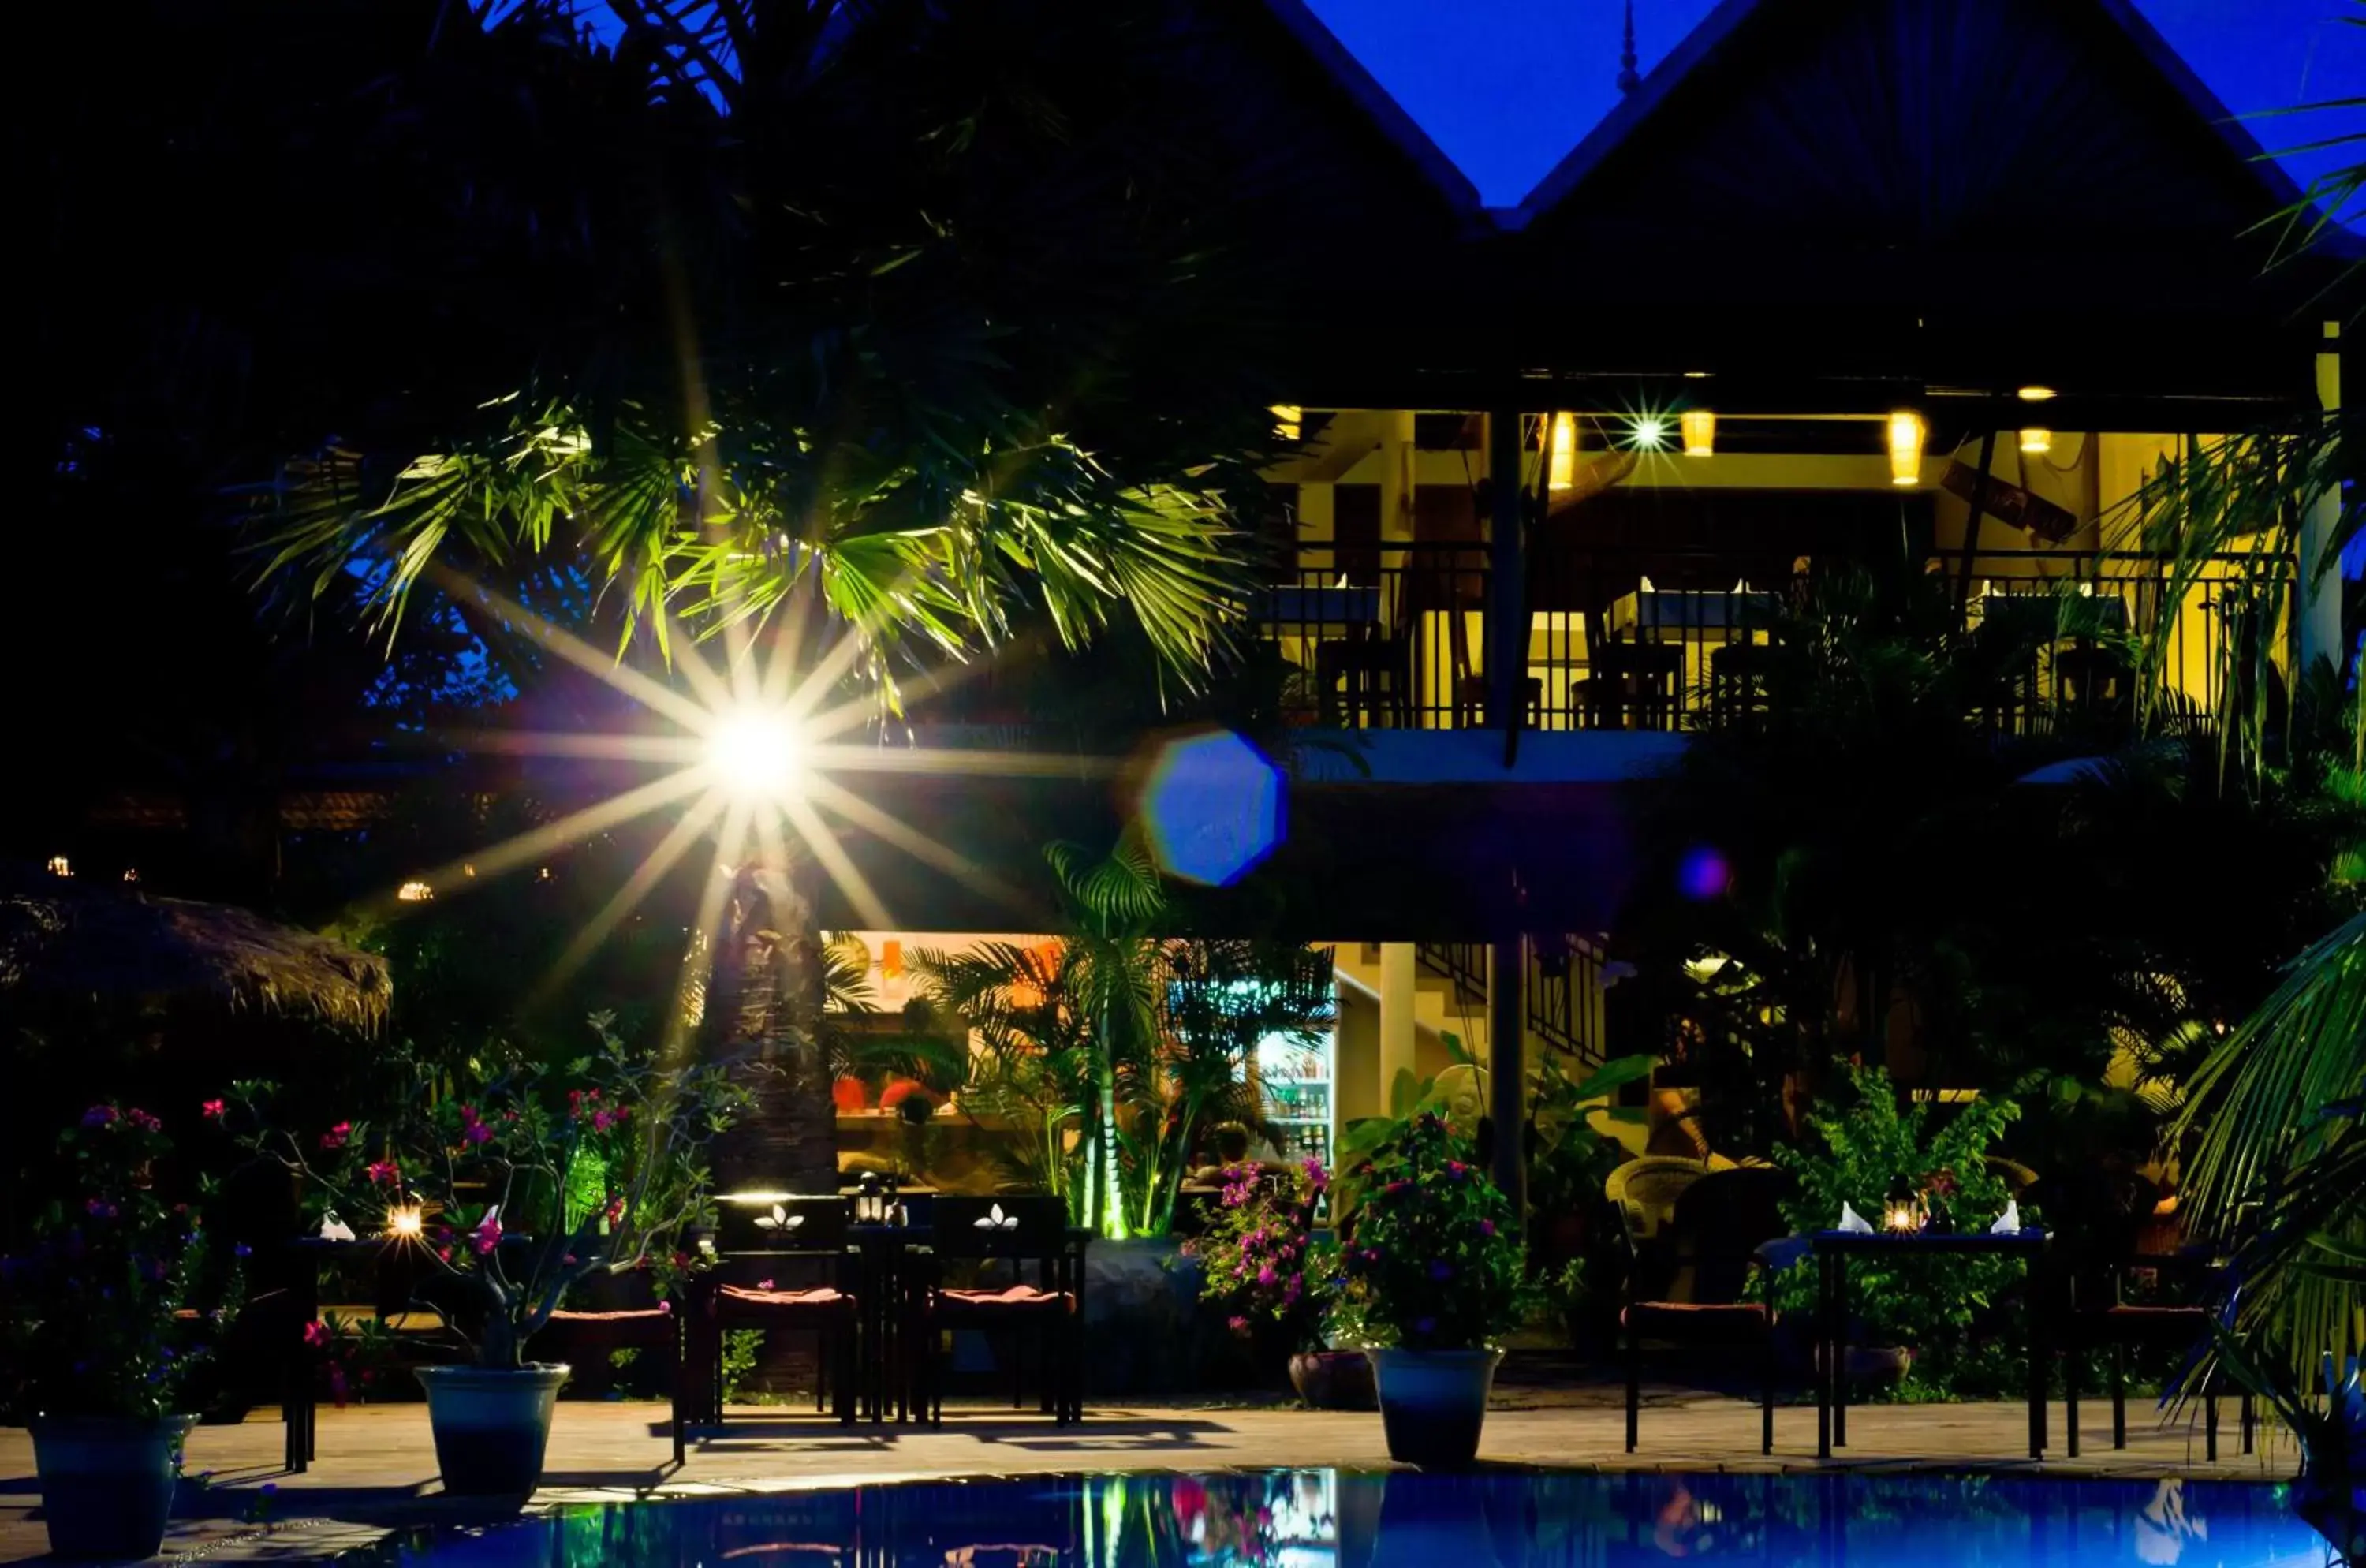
(1737, 684)
(1687, 1288)
(576, 1335)
(2099, 1317)
(1629, 685)
(762, 1243)
(969, 1235)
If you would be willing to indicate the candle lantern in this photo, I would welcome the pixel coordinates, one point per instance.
(869, 1202)
(1905, 1215)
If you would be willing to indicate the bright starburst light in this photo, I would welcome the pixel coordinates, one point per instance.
(747, 771)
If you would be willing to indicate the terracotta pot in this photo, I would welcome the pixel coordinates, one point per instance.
(1873, 1366)
(1434, 1402)
(1333, 1380)
(107, 1485)
(491, 1426)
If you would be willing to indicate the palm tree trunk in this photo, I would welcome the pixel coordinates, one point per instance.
(763, 1017)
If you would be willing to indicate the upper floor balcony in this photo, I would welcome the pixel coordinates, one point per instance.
(1394, 636)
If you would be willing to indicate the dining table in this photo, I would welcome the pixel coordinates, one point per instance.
(1833, 1250)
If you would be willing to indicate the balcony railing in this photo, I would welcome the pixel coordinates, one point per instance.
(1395, 635)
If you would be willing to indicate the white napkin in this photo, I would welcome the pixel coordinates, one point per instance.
(336, 1229)
(2008, 1223)
(1853, 1221)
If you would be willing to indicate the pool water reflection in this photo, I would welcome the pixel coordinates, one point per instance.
(1320, 1518)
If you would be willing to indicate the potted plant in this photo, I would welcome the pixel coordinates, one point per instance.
(1264, 1270)
(537, 1181)
(105, 1326)
(1432, 1276)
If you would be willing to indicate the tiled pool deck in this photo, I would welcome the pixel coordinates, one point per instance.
(376, 1466)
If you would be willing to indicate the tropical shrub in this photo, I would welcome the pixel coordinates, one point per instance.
(96, 1307)
(1430, 1257)
(1868, 1152)
(547, 1176)
(1259, 1253)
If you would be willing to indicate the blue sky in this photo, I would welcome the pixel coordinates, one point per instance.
(1506, 87)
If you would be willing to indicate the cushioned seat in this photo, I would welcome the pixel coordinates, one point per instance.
(819, 1297)
(1021, 1298)
(1745, 1322)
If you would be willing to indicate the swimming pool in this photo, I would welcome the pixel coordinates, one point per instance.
(1320, 1518)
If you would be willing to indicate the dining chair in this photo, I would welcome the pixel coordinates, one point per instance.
(982, 1241)
(781, 1266)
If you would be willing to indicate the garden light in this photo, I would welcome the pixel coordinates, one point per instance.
(406, 1223)
(1700, 426)
(757, 753)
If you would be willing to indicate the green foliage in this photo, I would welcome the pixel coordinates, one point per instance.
(93, 1326)
(1868, 1152)
(741, 1349)
(1116, 1047)
(499, 1176)
(1431, 1257)
(1259, 1254)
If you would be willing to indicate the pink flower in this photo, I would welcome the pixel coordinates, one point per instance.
(477, 1133)
(141, 1120)
(1486, 1227)
(666, 1307)
(383, 1173)
(213, 1111)
(603, 1120)
(1237, 1325)
(488, 1231)
(1265, 1276)
(334, 1138)
(763, 1285)
(1457, 1170)
(316, 1334)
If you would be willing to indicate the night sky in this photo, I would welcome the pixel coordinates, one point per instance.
(1505, 87)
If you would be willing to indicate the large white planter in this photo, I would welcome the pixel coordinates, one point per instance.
(107, 1485)
(491, 1427)
(1433, 1403)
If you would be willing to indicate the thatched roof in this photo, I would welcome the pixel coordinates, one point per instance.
(60, 938)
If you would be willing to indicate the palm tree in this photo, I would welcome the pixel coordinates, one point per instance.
(1118, 1046)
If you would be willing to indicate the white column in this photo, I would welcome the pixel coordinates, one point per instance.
(2320, 598)
(1398, 967)
(1396, 475)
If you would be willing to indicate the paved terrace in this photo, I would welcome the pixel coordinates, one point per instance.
(377, 1465)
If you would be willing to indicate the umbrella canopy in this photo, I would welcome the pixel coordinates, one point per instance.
(60, 938)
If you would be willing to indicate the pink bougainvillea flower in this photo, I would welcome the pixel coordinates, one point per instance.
(488, 1231)
(477, 1133)
(336, 1136)
(1237, 1324)
(1486, 1227)
(383, 1173)
(316, 1334)
(141, 1120)
(601, 1121)
(213, 1111)
(666, 1307)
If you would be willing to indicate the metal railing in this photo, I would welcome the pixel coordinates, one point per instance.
(1561, 995)
(1394, 636)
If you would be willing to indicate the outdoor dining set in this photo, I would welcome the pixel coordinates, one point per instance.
(879, 1279)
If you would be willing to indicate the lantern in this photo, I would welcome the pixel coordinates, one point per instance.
(2036, 442)
(1904, 1216)
(406, 1222)
(869, 1202)
(1563, 436)
(1907, 432)
(1700, 433)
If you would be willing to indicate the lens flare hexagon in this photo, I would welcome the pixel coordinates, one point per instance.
(1212, 806)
